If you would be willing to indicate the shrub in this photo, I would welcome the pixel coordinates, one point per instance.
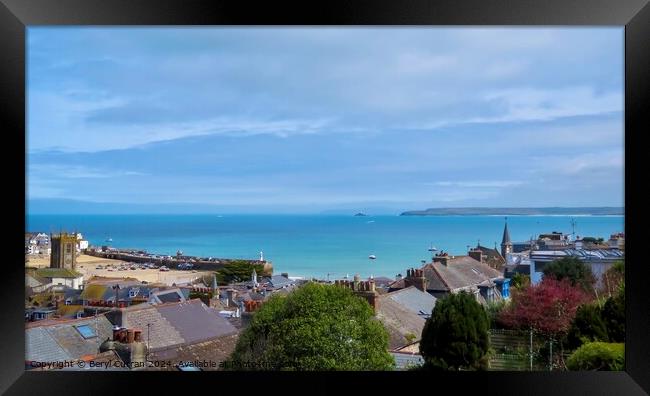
(598, 356)
(587, 326)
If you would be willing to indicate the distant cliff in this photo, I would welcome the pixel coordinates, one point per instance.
(594, 211)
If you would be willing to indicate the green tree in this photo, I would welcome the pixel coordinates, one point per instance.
(316, 327)
(519, 281)
(573, 269)
(614, 316)
(587, 326)
(598, 356)
(238, 271)
(456, 336)
(493, 311)
(614, 278)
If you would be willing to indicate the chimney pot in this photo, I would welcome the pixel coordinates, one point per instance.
(130, 336)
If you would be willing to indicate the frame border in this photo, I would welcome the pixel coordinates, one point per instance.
(17, 15)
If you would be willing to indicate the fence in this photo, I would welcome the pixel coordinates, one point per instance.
(512, 350)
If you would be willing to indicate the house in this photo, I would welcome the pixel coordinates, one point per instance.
(36, 284)
(407, 356)
(64, 340)
(403, 313)
(413, 299)
(402, 324)
(598, 260)
(452, 274)
(180, 331)
(280, 282)
(491, 257)
(61, 277)
(164, 296)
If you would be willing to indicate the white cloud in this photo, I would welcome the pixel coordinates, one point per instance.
(477, 183)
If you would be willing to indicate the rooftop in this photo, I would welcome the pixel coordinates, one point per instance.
(57, 273)
(459, 272)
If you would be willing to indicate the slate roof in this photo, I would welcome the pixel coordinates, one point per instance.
(105, 292)
(398, 284)
(416, 301)
(195, 321)
(41, 347)
(35, 281)
(492, 256)
(460, 272)
(399, 321)
(215, 350)
(60, 340)
(279, 281)
(168, 296)
(176, 324)
(506, 236)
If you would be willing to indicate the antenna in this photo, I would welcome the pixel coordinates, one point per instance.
(573, 227)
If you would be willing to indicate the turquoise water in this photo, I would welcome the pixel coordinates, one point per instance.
(315, 245)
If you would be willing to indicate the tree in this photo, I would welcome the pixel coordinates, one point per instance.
(456, 335)
(316, 327)
(598, 356)
(519, 281)
(238, 271)
(573, 269)
(547, 308)
(614, 316)
(587, 326)
(614, 278)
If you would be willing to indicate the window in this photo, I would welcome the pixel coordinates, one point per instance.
(86, 331)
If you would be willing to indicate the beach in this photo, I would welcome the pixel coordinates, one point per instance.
(87, 266)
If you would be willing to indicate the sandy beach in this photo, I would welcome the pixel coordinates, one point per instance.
(86, 265)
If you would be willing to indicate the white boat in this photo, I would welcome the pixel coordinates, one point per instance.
(432, 249)
(372, 257)
(109, 239)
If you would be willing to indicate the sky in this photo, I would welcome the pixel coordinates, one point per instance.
(318, 120)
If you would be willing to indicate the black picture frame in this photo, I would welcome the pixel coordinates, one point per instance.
(16, 15)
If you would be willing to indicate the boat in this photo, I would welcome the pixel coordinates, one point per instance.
(432, 249)
(372, 257)
(109, 239)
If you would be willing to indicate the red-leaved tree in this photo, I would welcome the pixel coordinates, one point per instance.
(547, 308)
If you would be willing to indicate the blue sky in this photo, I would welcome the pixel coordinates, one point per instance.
(311, 120)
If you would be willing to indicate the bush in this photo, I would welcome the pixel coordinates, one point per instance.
(573, 269)
(601, 356)
(456, 335)
(587, 326)
(614, 316)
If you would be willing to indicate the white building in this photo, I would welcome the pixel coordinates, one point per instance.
(62, 277)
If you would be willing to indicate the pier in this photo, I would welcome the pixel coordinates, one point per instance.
(172, 262)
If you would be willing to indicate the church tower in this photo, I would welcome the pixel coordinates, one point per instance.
(506, 243)
(64, 251)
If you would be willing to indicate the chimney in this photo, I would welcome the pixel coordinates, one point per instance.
(130, 334)
(116, 333)
(441, 259)
(476, 255)
(398, 277)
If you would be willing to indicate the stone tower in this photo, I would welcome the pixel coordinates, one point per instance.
(64, 251)
(506, 243)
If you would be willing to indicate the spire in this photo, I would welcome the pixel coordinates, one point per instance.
(506, 235)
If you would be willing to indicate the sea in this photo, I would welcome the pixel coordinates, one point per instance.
(321, 246)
